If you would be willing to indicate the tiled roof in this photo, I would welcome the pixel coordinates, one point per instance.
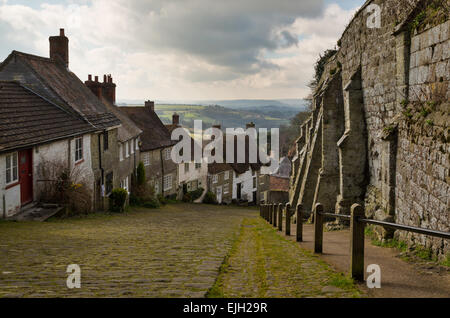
(56, 83)
(155, 135)
(279, 184)
(27, 119)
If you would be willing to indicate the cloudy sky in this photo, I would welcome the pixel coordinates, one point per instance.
(184, 49)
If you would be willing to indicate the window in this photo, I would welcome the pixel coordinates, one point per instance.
(253, 172)
(105, 140)
(132, 146)
(124, 184)
(109, 183)
(137, 143)
(186, 167)
(127, 149)
(198, 165)
(11, 168)
(226, 188)
(254, 182)
(146, 158)
(78, 149)
(120, 151)
(167, 182)
(226, 175)
(215, 178)
(167, 152)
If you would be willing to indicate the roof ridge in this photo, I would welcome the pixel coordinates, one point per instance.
(47, 59)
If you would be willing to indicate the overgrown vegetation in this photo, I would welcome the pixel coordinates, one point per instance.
(118, 199)
(210, 198)
(142, 194)
(60, 185)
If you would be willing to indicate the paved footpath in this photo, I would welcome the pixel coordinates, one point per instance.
(398, 277)
(175, 251)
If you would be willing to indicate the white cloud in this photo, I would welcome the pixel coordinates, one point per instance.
(184, 49)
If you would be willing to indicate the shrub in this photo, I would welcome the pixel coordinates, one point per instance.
(151, 204)
(162, 199)
(210, 198)
(140, 174)
(196, 193)
(117, 200)
(61, 185)
(187, 197)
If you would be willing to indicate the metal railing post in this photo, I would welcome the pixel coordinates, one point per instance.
(318, 228)
(357, 243)
(287, 230)
(299, 233)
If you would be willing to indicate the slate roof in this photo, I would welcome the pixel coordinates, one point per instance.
(154, 134)
(27, 119)
(128, 130)
(58, 84)
(215, 168)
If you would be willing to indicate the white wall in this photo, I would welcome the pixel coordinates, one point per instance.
(46, 154)
(193, 174)
(247, 189)
(10, 196)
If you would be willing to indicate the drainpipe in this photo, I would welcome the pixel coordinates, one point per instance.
(4, 207)
(162, 171)
(100, 167)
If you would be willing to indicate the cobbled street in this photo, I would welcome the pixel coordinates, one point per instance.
(179, 250)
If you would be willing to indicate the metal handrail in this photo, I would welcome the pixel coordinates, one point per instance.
(396, 226)
(444, 235)
(341, 216)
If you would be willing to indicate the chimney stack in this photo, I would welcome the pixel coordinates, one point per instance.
(175, 119)
(150, 105)
(94, 86)
(59, 48)
(109, 89)
(250, 125)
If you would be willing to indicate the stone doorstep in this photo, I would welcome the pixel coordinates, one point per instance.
(35, 212)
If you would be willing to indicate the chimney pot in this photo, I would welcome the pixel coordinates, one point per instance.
(61, 32)
(96, 78)
(104, 79)
(90, 77)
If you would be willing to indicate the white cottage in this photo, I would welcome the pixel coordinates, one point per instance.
(36, 134)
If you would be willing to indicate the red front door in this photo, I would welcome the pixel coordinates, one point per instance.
(25, 176)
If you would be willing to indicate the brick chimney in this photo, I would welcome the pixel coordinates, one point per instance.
(109, 89)
(150, 105)
(95, 86)
(175, 119)
(59, 48)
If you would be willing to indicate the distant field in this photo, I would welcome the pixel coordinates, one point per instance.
(227, 117)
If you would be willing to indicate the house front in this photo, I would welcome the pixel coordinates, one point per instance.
(52, 79)
(245, 183)
(155, 149)
(220, 181)
(39, 140)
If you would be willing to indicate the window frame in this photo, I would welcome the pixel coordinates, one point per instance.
(226, 175)
(215, 178)
(146, 159)
(186, 167)
(11, 168)
(120, 151)
(78, 150)
(105, 140)
(165, 179)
